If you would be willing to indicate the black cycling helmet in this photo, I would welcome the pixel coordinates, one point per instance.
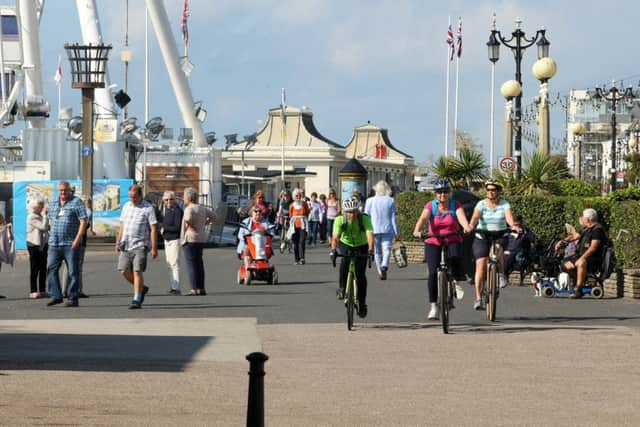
(441, 185)
(494, 183)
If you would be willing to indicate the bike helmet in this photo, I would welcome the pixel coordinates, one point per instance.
(494, 183)
(441, 185)
(350, 205)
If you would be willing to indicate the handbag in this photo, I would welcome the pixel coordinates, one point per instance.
(400, 254)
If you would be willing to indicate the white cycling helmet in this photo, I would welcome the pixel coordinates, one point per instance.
(350, 205)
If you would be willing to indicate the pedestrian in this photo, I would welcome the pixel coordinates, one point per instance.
(323, 218)
(68, 219)
(382, 210)
(170, 232)
(7, 244)
(333, 210)
(137, 236)
(315, 215)
(299, 217)
(193, 237)
(37, 246)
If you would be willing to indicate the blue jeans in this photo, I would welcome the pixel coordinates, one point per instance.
(382, 244)
(313, 232)
(55, 257)
(195, 264)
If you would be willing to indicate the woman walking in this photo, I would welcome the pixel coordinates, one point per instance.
(333, 210)
(299, 217)
(37, 245)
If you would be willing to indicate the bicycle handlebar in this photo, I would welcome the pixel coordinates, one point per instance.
(349, 255)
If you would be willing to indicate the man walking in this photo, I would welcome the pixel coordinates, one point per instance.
(170, 231)
(68, 219)
(136, 237)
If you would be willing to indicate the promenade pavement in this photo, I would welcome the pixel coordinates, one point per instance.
(180, 360)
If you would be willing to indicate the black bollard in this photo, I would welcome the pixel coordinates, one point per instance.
(255, 406)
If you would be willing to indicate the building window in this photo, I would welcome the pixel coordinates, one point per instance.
(9, 25)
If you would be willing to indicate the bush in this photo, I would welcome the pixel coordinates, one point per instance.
(629, 193)
(625, 232)
(578, 187)
(410, 205)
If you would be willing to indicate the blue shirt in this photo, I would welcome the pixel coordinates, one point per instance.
(492, 219)
(382, 210)
(65, 221)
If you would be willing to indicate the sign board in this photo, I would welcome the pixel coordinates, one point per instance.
(507, 164)
(106, 130)
(619, 176)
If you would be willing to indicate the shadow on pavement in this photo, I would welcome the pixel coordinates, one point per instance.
(98, 353)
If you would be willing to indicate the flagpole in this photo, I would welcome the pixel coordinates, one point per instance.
(455, 114)
(446, 115)
(283, 113)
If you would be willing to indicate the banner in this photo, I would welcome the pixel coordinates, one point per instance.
(106, 130)
(109, 195)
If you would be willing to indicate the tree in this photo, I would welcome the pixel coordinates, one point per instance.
(541, 175)
(463, 171)
(464, 140)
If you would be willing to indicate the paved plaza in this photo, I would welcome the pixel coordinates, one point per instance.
(181, 359)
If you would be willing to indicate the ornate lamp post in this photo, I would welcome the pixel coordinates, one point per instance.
(88, 68)
(577, 129)
(509, 90)
(613, 95)
(518, 43)
(543, 70)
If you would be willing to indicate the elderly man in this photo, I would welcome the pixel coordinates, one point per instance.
(170, 231)
(588, 257)
(68, 219)
(136, 237)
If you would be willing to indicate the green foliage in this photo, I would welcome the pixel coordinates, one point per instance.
(624, 216)
(466, 171)
(545, 216)
(409, 205)
(578, 187)
(629, 193)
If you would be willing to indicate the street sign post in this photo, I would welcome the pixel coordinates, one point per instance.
(507, 164)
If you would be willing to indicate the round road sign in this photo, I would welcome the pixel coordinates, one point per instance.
(507, 164)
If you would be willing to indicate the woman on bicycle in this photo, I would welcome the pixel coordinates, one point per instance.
(490, 214)
(444, 216)
(353, 230)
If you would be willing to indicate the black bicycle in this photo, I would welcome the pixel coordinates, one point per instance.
(491, 291)
(351, 287)
(446, 287)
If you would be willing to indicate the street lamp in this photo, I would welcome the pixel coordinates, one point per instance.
(613, 95)
(509, 90)
(518, 43)
(543, 70)
(577, 129)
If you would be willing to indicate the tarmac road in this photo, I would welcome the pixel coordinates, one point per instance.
(180, 360)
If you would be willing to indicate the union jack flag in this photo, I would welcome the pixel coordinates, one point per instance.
(185, 29)
(459, 41)
(450, 42)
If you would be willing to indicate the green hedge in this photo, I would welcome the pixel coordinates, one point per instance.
(546, 217)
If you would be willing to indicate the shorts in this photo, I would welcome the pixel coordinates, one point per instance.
(593, 263)
(134, 260)
(480, 247)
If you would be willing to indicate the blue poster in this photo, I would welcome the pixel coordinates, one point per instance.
(109, 195)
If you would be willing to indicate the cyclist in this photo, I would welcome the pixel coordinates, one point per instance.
(490, 214)
(353, 230)
(444, 216)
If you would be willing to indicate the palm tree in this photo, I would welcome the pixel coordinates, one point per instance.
(541, 175)
(470, 166)
(445, 167)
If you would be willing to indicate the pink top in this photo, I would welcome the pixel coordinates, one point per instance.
(443, 223)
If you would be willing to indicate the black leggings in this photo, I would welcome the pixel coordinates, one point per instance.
(361, 268)
(38, 268)
(299, 240)
(432, 253)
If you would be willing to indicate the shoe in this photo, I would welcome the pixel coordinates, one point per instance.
(83, 295)
(191, 293)
(145, 289)
(296, 263)
(174, 292)
(34, 295)
(201, 292)
(434, 312)
(477, 305)
(503, 281)
(577, 293)
(71, 304)
(340, 293)
(43, 295)
(362, 310)
(459, 291)
(135, 305)
(54, 302)
(302, 261)
(383, 273)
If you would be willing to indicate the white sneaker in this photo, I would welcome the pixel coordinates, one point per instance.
(503, 281)
(459, 291)
(477, 305)
(434, 312)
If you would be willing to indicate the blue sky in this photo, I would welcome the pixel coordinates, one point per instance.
(351, 61)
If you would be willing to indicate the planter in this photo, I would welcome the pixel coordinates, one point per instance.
(415, 252)
(631, 286)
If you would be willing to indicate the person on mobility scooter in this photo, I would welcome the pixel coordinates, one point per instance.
(255, 249)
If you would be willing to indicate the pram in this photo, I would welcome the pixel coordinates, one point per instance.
(548, 279)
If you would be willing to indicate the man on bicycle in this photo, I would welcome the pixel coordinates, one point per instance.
(490, 214)
(353, 230)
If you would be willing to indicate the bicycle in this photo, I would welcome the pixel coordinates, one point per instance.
(491, 291)
(446, 288)
(351, 287)
(285, 244)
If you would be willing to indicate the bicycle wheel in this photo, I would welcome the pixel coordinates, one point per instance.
(350, 303)
(443, 300)
(492, 291)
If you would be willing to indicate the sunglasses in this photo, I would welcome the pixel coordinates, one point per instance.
(492, 189)
(166, 200)
(442, 192)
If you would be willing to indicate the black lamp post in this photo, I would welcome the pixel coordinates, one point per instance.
(613, 95)
(518, 43)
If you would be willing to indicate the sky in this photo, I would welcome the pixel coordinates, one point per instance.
(351, 61)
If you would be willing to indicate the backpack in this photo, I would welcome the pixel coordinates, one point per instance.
(608, 259)
(434, 210)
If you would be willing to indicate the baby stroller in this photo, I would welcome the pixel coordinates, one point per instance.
(258, 243)
(549, 280)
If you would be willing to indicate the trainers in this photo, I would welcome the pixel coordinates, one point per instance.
(477, 305)
(577, 293)
(503, 281)
(174, 292)
(135, 305)
(434, 312)
(459, 291)
(34, 295)
(145, 289)
(383, 273)
(340, 293)
(302, 261)
(362, 310)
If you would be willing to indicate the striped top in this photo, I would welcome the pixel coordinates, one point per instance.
(492, 219)
(137, 221)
